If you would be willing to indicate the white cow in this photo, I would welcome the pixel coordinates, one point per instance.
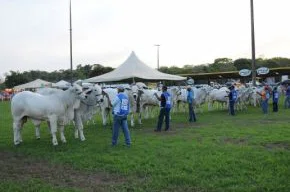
(87, 109)
(255, 99)
(200, 96)
(244, 97)
(148, 100)
(106, 106)
(181, 100)
(54, 108)
(220, 96)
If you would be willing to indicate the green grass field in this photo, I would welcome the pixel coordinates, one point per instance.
(248, 152)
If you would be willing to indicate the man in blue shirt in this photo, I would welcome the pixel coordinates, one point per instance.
(275, 97)
(190, 101)
(232, 99)
(165, 106)
(121, 108)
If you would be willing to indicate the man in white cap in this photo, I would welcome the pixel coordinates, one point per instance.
(121, 109)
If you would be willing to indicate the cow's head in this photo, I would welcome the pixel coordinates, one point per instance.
(93, 95)
(134, 91)
(77, 90)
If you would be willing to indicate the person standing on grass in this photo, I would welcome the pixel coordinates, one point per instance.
(265, 94)
(287, 98)
(165, 106)
(190, 101)
(121, 107)
(275, 96)
(233, 95)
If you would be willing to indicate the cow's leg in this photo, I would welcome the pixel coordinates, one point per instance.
(140, 118)
(132, 120)
(81, 131)
(37, 123)
(140, 115)
(61, 127)
(147, 112)
(75, 122)
(104, 116)
(53, 127)
(76, 133)
(209, 106)
(79, 127)
(16, 131)
(22, 121)
(17, 126)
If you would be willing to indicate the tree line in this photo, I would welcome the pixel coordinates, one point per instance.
(81, 72)
(87, 71)
(227, 64)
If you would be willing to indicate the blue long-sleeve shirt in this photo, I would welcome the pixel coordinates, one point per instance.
(190, 96)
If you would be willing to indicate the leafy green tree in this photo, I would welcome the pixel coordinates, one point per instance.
(98, 69)
(243, 63)
(282, 62)
(223, 61)
(15, 78)
(175, 70)
(200, 69)
(164, 69)
(271, 63)
(222, 64)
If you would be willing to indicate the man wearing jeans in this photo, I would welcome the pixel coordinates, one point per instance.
(232, 100)
(121, 109)
(165, 106)
(265, 95)
(190, 100)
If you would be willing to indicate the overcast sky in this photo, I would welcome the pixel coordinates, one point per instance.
(34, 34)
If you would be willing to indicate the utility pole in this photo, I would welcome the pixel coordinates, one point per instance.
(70, 29)
(253, 44)
(157, 55)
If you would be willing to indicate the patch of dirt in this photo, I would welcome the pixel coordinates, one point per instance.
(236, 141)
(277, 145)
(18, 167)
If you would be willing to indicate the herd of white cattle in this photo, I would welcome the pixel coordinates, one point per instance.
(80, 104)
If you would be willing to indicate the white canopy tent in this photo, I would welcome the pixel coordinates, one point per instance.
(133, 67)
(62, 84)
(38, 83)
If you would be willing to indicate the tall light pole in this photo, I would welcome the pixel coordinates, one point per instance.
(157, 55)
(70, 30)
(253, 45)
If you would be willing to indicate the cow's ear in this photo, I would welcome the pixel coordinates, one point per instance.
(89, 92)
(127, 88)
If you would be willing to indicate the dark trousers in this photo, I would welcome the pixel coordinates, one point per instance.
(232, 107)
(163, 113)
(275, 107)
(191, 112)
